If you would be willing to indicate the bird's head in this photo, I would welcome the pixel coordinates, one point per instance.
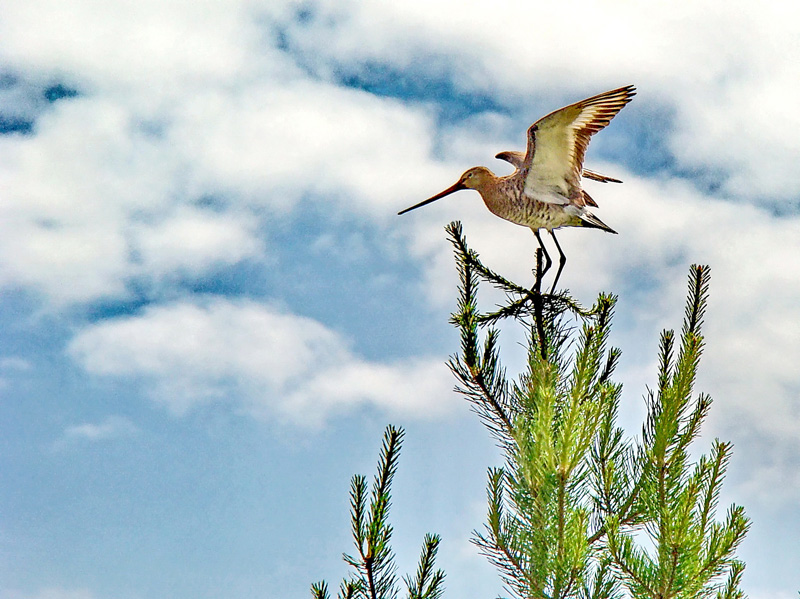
(475, 178)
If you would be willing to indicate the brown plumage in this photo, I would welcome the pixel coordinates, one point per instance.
(544, 192)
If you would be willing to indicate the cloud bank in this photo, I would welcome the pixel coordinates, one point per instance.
(263, 361)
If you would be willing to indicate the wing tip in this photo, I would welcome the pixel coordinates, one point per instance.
(623, 94)
(516, 159)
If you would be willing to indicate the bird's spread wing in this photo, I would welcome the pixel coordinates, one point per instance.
(557, 144)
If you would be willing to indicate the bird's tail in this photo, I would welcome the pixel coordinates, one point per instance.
(590, 220)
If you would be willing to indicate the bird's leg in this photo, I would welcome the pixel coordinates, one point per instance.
(537, 295)
(548, 261)
(561, 262)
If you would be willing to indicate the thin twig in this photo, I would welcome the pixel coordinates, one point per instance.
(630, 573)
(373, 592)
(479, 380)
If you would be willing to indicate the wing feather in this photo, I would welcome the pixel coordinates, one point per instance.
(557, 145)
(595, 176)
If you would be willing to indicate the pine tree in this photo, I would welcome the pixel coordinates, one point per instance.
(578, 510)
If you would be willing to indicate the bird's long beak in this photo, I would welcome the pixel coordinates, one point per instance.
(458, 185)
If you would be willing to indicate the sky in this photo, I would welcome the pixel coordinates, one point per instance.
(210, 310)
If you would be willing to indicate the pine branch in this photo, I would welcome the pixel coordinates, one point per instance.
(604, 584)
(611, 364)
(482, 377)
(723, 541)
(459, 241)
(633, 564)
(699, 280)
(375, 552)
(547, 429)
(613, 472)
(358, 503)
(484, 385)
(499, 546)
(550, 304)
(319, 590)
(349, 589)
(720, 455)
(428, 583)
(731, 589)
(374, 561)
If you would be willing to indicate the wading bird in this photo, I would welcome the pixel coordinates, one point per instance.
(544, 192)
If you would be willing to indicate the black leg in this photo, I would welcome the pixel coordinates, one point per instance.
(561, 262)
(548, 261)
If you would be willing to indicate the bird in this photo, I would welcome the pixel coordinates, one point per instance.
(544, 192)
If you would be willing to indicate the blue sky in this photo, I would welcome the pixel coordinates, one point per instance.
(209, 309)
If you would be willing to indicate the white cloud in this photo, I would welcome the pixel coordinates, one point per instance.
(15, 363)
(102, 192)
(11, 366)
(190, 241)
(112, 427)
(130, 43)
(265, 361)
(705, 63)
(275, 143)
(68, 193)
(744, 130)
(773, 477)
(93, 200)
